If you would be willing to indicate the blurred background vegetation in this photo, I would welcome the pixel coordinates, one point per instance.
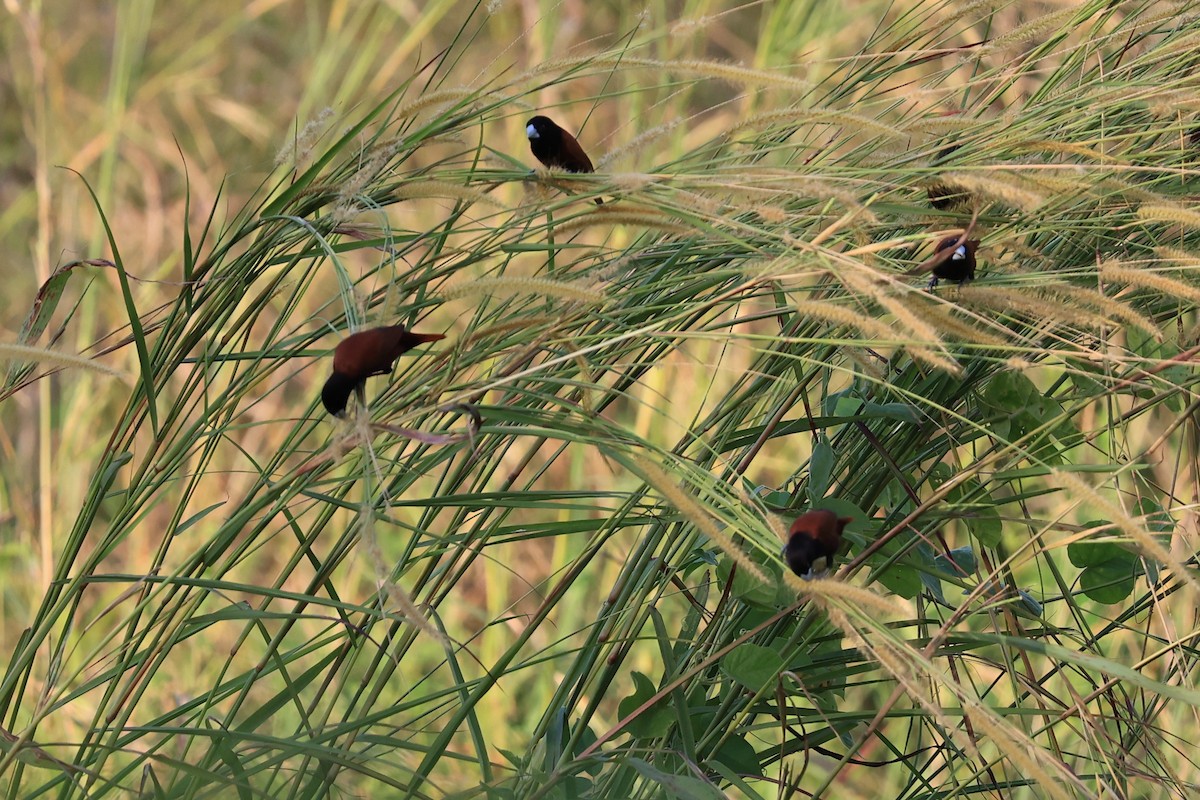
(213, 589)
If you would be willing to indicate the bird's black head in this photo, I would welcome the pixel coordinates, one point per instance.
(548, 145)
(801, 553)
(336, 393)
(544, 130)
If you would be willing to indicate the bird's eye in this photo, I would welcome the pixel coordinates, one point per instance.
(531, 131)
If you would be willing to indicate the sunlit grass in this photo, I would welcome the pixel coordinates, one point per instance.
(217, 588)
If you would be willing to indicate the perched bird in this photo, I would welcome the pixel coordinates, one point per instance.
(814, 535)
(955, 260)
(554, 147)
(363, 354)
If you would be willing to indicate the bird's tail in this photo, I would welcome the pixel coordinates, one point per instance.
(336, 393)
(414, 339)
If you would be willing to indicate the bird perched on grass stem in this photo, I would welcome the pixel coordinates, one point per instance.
(363, 354)
(557, 148)
(956, 260)
(814, 535)
(953, 257)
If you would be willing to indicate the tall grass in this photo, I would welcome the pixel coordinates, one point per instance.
(543, 562)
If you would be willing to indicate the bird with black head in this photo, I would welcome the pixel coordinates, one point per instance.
(364, 354)
(814, 535)
(955, 260)
(556, 148)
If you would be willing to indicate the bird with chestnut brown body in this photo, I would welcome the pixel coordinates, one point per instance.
(364, 354)
(556, 148)
(814, 535)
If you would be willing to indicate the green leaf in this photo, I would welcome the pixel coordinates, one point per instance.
(1008, 391)
(1108, 583)
(900, 580)
(1157, 520)
(1091, 552)
(739, 755)
(901, 412)
(752, 665)
(985, 525)
(682, 787)
(820, 470)
(899, 577)
(749, 589)
(1031, 603)
(979, 512)
(960, 561)
(654, 721)
(772, 498)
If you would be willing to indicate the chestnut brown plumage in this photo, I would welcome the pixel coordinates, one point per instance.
(555, 147)
(363, 354)
(814, 535)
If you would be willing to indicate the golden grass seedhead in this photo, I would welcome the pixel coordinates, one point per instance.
(1163, 212)
(1144, 277)
(297, 150)
(585, 292)
(1034, 29)
(443, 189)
(697, 514)
(1001, 186)
(733, 74)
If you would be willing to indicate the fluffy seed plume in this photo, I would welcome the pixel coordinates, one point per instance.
(1032, 304)
(455, 191)
(431, 100)
(823, 590)
(639, 143)
(1162, 212)
(296, 151)
(645, 219)
(1181, 257)
(370, 544)
(1003, 187)
(1148, 279)
(730, 73)
(583, 292)
(1034, 29)
(698, 515)
(24, 352)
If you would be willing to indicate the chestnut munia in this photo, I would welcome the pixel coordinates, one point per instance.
(363, 354)
(814, 535)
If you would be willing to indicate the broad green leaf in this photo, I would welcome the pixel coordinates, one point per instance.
(752, 665)
(1110, 582)
(654, 721)
(681, 787)
(820, 470)
(737, 754)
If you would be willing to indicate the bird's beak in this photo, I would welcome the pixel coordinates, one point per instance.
(531, 132)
